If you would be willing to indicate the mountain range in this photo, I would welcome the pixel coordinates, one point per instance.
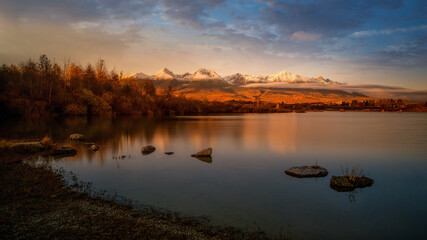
(206, 84)
(204, 74)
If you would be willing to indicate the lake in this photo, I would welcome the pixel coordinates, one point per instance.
(244, 184)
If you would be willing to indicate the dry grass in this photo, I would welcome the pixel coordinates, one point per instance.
(352, 173)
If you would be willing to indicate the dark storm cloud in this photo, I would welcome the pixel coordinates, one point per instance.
(331, 17)
(191, 12)
(76, 10)
(407, 55)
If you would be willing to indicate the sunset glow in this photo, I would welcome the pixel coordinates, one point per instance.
(356, 42)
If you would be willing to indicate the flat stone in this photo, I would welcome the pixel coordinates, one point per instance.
(307, 171)
(26, 147)
(169, 153)
(147, 150)
(203, 153)
(77, 137)
(345, 184)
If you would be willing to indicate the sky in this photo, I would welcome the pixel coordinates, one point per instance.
(355, 42)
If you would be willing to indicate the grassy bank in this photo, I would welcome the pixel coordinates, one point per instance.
(35, 203)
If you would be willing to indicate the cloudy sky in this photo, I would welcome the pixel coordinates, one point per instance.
(357, 42)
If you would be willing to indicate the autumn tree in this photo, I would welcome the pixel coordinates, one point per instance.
(74, 78)
(149, 88)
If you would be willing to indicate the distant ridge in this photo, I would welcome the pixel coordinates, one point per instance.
(283, 76)
(204, 74)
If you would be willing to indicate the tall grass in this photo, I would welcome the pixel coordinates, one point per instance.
(352, 173)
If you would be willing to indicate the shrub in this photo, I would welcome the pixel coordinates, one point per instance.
(4, 145)
(75, 109)
(47, 142)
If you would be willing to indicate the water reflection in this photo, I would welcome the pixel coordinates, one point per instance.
(245, 186)
(204, 159)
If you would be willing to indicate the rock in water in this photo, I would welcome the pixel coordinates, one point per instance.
(26, 147)
(204, 153)
(64, 151)
(147, 150)
(346, 184)
(169, 153)
(77, 137)
(94, 147)
(307, 171)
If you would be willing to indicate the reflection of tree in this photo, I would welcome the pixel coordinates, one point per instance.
(352, 195)
(113, 134)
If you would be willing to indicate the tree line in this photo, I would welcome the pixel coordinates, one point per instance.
(44, 87)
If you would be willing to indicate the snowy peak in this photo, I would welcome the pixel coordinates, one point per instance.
(204, 74)
(236, 79)
(285, 76)
(164, 74)
(139, 75)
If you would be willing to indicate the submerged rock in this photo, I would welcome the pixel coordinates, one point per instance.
(307, 171)
(64, 151)
(26, 147)
(147, 150)
(169, 153)
(94, 147)
(346, 183)
(77, 137)
(204, 153)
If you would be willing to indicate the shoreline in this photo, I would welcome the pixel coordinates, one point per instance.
(36, 203)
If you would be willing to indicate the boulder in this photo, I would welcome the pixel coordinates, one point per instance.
(307, 171)
(64, 151)
(347, 183)
(27, 147)
(77, 137)
(147, 150)
(94, 147)
(169, 153)
(204, 153)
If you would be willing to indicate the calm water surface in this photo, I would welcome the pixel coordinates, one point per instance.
(245, 186)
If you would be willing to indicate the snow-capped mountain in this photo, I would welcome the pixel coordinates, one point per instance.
(240, 79)
(204, 74)
(164, 74)
(139, 75)
(284, 76)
